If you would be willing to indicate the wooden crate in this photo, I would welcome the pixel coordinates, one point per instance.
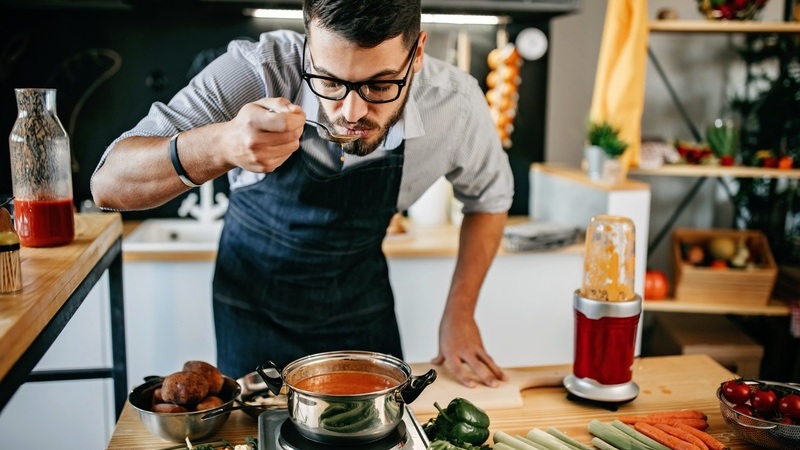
(749, 286)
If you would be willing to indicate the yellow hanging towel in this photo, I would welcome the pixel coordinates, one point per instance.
(619, 83)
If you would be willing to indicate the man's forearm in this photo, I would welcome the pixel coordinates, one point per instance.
(138, 172)
(478, 243)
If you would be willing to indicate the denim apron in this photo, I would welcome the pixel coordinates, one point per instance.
(300, 267)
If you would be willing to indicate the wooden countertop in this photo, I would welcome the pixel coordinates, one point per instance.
(666, 383)
(440, 241)
(49, 276)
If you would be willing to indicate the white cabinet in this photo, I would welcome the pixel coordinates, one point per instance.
(168, 316)
(68, 414)
(524, 311)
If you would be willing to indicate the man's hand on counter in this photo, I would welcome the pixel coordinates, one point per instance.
(462, 353)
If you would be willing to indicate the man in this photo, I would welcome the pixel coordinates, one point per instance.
(300, 268)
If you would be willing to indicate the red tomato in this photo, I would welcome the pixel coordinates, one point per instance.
(719, 264)
(770, 162)
(736, 392)
(744, 409)
(656, 285)
(789, 406)
(786, 420)
(763, 401)
(785, 162)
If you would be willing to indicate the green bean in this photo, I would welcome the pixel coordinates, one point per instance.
(337, 408)
(351, 421)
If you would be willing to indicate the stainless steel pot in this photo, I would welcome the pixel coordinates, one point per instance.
(355, 418)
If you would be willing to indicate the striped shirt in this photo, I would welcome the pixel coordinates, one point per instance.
(446, 124)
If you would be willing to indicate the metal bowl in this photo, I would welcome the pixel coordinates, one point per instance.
(256, 397)
(760, 432)
(176, 427)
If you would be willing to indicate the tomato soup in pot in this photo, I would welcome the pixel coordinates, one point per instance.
(346, 383)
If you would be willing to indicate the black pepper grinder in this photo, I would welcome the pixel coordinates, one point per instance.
(10, 266)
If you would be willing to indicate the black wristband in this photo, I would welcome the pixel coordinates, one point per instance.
(176, 163)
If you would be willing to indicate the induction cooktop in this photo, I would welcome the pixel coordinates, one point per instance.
(276, 432)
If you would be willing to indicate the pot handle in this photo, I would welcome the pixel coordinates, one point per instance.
(274, 383)
(416, 385)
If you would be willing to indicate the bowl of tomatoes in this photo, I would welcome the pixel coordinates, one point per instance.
(764, 413)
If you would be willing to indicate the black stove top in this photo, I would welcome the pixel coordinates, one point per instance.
(276, 432)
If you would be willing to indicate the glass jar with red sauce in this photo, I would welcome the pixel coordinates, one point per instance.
(41, 174)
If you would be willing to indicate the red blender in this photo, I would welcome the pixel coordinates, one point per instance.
(607, 314)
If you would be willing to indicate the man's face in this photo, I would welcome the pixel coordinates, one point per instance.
(332, 56)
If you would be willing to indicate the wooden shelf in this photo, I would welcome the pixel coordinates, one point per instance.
(773, 308)
(689, 170)
(722, 26)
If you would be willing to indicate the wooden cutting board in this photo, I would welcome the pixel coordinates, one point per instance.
(507, 395)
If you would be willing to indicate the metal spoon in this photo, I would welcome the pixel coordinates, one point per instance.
(327, 134)
(6, 201)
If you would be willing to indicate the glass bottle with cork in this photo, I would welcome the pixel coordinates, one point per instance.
(41, 175)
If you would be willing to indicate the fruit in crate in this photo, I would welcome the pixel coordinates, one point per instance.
(719, 252)
(721, 248)
(694, 254)
(741, 256)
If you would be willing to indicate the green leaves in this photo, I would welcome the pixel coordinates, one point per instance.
(605, 136)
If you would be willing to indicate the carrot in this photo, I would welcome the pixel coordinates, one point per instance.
(682, 414)
(664, 438)
(682, 435)
(700, 424)
(711, 442)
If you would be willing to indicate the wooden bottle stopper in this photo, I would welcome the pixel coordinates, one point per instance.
(10, 265)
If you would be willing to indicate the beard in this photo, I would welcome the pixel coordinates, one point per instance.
(362, 147)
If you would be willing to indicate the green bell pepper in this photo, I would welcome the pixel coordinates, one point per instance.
(463, 421)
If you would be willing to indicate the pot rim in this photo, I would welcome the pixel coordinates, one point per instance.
(360, 355)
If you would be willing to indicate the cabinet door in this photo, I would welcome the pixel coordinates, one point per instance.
(68, 414)
(168, 316)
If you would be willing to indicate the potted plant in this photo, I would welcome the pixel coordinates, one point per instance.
(603, 151)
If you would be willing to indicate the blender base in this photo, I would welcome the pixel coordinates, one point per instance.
(610, 406)
(591, 390)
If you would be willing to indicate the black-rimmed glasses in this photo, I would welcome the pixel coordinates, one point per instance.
(372, 91)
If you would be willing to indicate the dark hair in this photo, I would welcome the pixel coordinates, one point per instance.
(366, 22)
